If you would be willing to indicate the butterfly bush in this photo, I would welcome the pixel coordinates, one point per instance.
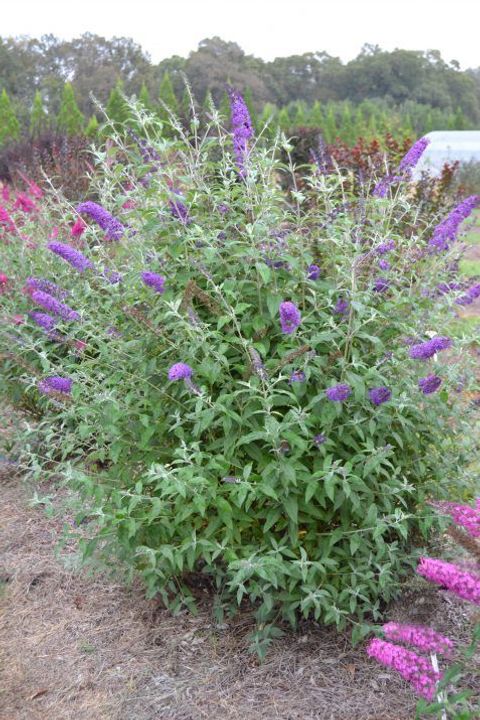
(275, 354)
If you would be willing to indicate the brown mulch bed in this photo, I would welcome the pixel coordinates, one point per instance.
(76, 647)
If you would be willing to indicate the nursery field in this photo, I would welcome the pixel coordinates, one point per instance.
(239, 441)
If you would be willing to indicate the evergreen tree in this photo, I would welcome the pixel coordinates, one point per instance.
(224, 108)
(38, 116)
(315, 116)
(69, 120)
(346, 125)
(299, 116)
(330, 125)
(167, 96)
(92, 127)
(117, 107)
(144, 97)
(9, 125)
(284, 121)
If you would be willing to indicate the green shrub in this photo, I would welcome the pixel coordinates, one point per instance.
(246, 472)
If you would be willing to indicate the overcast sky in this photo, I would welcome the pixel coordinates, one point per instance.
(266, 28)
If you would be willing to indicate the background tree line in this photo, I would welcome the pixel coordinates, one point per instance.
(48, 83)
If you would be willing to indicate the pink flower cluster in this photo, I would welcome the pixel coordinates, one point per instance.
(462, 583)
(464, 515)
(414, 668)
(423, 638)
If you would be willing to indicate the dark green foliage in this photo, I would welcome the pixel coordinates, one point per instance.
(38, 116)
(9, 125)
(70, 119)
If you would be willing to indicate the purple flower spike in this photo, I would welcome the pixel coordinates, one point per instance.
(179, 209)
(463, 515)
(319, 439)
(414, 668)
(410, 160)
(180, 371)
(45, 286)
(426, 350)
(54, 306)
(429, 384)
(342, 307)
(290, 317)
(242, 129)
(462, 583)
(157, 282)
(381, 285)
(313, 272)
(446, 232)
(297, 376)
(72, 256)
(43, 320)
(385, 247)
(114, 229)
(384, 264)
(379, 395)
(423, 638)
(338, 393)
(55, 383)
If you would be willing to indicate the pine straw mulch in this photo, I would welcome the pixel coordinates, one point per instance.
(74, 647)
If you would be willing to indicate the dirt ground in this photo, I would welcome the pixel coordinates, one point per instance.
(74, 647)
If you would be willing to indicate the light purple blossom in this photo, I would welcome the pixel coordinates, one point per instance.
(157, 282)
(54, 306)
(55, 383)
(429, 384)
(46, 286)
(319, 439)
(297, 376)
(114, 229)
(338, 393)
(74, 257)
(242, 129)
(423, 638)
(313, 272)
(180, 371)
(290, 317)
(450, 576)
(379, 395)
(381, 285)
(384, 264)
(178, 208)
(414, 668)
(427, 349)
(342, 306)
(112, 276)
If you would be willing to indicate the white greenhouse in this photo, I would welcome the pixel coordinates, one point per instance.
(447, 147)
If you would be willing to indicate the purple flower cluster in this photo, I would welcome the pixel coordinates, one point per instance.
(464, 515)
(112, 276)
(338, 393)
(313, 272)
(297, 376)
(178, 209)
(342, 307)
(381, 188)
(319, 439)
(379, 395)
(384, 264)
(462, 583)
(55, 383)
(290, 317)
(426, 350)
(423, 638)
(157, 282)
(43, 320)
(46, 286)
(414, 668)
(114, 229)
(385, 247)
(242, 129)
(54, 306)
(410, 160)
(472, 294)
(429, 384)
(445, 288)
(74, 257)
(446, 232)
(180, 371)
(381, 285)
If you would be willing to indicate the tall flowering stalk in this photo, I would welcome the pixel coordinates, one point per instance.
(242, 129)
(54, 306)
(422, 638)
(463, 515)
(114, 229)
(404, 170)
(462, 583)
